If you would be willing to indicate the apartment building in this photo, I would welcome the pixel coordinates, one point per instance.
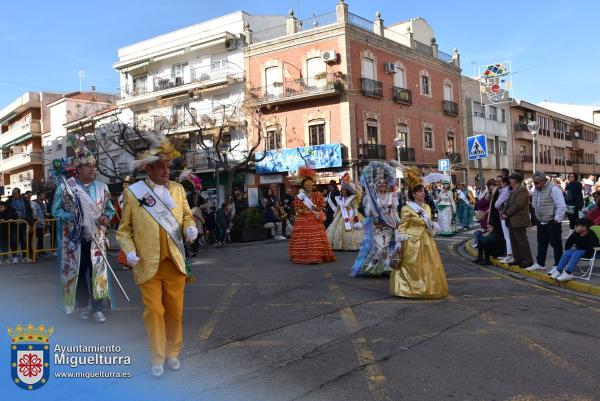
(62, 110)
(340, 90)
(563, 144)
(21, 125)
(178, 80)
(493, 121)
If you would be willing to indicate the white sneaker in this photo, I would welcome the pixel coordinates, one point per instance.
(173, 363)
(553, 270)
(99, 317)
(509, 260)
(565, 276)
(280, 237)
(556, 274)
(15, 260)
(157, 370)
(535, 267)
(26, 260)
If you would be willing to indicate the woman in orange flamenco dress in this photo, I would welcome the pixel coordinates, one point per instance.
(309, 243)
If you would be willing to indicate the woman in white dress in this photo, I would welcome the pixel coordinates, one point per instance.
(446, 208)
(345, 232)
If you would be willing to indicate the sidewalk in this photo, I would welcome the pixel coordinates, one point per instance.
(588, 287)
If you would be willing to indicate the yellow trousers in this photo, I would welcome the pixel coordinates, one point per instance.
(163, 311)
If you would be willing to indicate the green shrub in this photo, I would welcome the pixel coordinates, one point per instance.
(249, 219)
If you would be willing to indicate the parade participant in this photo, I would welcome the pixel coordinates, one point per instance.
(464, 209)
(308, 242)
(83, 209)
(420, 273)
(345, 232)
(381, 244)
(156, 218)
(331, 202)
(446, 208)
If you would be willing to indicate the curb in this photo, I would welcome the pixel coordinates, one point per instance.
(574, 285)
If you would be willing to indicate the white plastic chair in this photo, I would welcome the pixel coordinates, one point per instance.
(586, 265)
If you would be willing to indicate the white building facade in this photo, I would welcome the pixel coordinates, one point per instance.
(494, 121)
(191, 76)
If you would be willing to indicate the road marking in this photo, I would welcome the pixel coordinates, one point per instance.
(547, 354)
(365, 356)
(300, 304)
(282, 284)
(472, 278)
(208, 328)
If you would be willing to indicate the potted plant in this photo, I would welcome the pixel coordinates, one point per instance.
(249, 226)
(321, 75)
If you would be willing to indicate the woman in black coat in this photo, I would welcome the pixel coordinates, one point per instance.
(573, 199)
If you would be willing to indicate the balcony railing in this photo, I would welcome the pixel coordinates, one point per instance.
(525, 158)
(521, 127)
(163, 82)
(401, 95)
(454, 157)
(20, 160)
(296, 88)
(201, 159)
(450, 108)
(405, 154)
(370, 87)
(372, 151)
(15, 133)
(204, 74)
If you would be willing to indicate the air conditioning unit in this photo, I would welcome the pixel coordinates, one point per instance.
(390, 68)
(231, 44)
(330, 56)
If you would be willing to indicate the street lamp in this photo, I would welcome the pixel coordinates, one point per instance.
(533, 127)
(399, 142)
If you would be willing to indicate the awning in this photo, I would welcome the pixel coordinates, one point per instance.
(134, 66)
(17, 140)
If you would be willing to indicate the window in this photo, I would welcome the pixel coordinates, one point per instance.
(28, 174)
(428, 138)
(424, 85)
(177, 73)
(59, 144)
(139, 85)
(218, 64)
(448, 92)
(493, 113)
(315, 67)
(503, 147)
(503, 115)
(490, 146)
(402, 134)
(273, 139)
(372, 132)
(399, 78)
(316, 134)
(478, 110)
(523, 150)
(180, 113)
(48, 146)
(451, 148)
(273, 80)
(368, 68)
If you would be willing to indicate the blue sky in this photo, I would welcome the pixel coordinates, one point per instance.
(553, 45)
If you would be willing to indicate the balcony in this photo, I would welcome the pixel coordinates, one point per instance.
(165, 85)
(401, 95)
(521, 127)
(297, 90)
(201, 159)
(19, 133)
(406, 154)
(454, 157)
(370, 87)
(20, 160)
(372, 151)
(450, 108)
(580, 144)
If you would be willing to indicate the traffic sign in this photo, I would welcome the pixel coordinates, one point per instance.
(477, 147)
(444, 165)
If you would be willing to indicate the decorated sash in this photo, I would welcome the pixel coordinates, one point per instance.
(422, 214)
(308, 203)
(464, 198)
(346, 215)
(331, 204)
(92, 212)
(158, 210)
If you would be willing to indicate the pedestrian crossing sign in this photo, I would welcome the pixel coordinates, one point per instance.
(477, 147)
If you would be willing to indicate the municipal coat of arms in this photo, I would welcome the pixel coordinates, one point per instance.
(30, 355)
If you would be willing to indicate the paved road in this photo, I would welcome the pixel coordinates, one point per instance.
(260, 328)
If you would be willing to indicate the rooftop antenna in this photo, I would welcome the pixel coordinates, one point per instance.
(81, 76)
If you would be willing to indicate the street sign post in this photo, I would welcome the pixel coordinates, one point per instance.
(477, 150)
(444, 165)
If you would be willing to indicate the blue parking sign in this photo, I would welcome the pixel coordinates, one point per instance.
(477, 147)
(444, 165)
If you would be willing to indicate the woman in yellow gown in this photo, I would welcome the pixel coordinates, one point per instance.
(420, 273)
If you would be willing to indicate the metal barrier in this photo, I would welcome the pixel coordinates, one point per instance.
(11, 238)
(39, 242)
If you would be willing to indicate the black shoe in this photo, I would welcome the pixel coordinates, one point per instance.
(477, 260)
(484, 263)
(515, 264)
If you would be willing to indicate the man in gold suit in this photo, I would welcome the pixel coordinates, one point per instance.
(156, 218)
